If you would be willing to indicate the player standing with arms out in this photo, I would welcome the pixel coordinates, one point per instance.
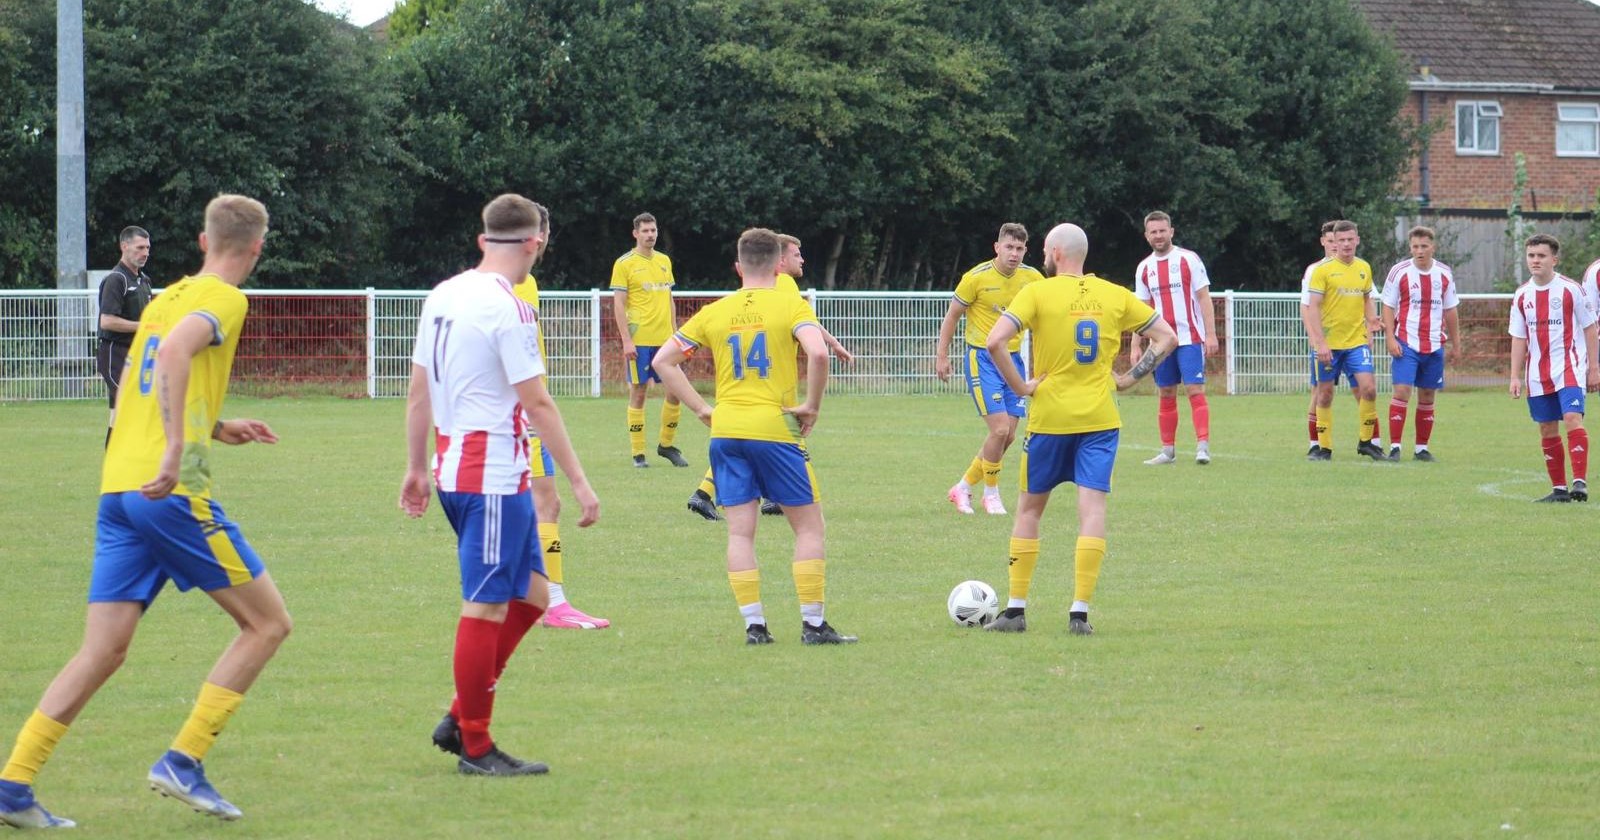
(1553, 337)
(1338, 320)
(1077, 322)
(1419, 317)
(475, 369)
(641, 303)
(1174, 281)
(791, 265)
(157, 521)
(983, 293)
(546, 502)
(124, 293)
(752, 336)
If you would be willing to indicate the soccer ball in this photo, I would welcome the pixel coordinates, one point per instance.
(973, 603)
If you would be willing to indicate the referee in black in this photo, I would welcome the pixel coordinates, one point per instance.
(124, 293)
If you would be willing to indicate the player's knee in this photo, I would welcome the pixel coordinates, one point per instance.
(1573, 422)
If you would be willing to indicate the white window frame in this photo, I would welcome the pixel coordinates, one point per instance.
(1485, 109)
(1592, 121)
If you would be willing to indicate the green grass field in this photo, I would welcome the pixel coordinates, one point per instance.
(1285, 649)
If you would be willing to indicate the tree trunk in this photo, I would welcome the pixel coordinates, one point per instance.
(917, 256)
(883, 257)
(829, 277)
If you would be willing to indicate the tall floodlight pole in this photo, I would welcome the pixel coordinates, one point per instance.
(72, 261)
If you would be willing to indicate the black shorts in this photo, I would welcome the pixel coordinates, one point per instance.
(109, 360)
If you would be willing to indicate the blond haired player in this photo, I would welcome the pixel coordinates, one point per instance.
(753, 336)
(982, 294)
(1077, 321)
(158, 521)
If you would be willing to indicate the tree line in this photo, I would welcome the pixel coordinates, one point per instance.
(893, 136)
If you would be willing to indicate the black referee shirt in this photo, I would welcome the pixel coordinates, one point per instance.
(123, 293)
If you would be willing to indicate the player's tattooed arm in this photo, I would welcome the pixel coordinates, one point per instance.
(1147, 362)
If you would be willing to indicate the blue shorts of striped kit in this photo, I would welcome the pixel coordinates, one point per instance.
(989, 390)
(140, 543)
(746, 470)
(1351, 362)
(1084, 459)
(1548, 408)
(1421, 370)
(1187, 364)
(497, 544)
(640, 372)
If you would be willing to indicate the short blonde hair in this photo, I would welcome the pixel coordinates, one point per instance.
(789, 240)
(1421, 232)
(1157, 216)
(1344, 226)
(1013, 230)
(511, 213)
(234, 223)
(759, 249)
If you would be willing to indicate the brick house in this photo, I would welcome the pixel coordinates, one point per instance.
(1497, 78)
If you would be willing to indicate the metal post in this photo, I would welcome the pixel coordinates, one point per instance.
(594, 342)
(372, 342)
(71, 234)
(1232, 351)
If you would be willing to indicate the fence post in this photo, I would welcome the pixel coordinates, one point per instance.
(594, 342)
(1227, 308)
(372, 343)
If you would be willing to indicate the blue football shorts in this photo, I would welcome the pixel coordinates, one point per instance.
(1350, 362)
(140, 543)
(640, 372)
(1420, 370)
(746, 470)
(1187, 364)
(989, 390)
(1085, 459)
(1548, 408)
(496, 542)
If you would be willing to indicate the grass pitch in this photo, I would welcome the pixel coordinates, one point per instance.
(1285, 649)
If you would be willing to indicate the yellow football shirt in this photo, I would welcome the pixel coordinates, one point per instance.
(1344, 289)
(528, 291)
(133, 455)
(648, 282)
(786, 284)
(985, 292)
(1077, 325)
(751, 336)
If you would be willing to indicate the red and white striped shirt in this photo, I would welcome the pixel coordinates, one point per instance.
(1171, 285)
(1552, 318)
(1419, 299)
(476, 340)
(1591, 286)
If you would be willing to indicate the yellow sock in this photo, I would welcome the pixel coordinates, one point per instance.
(211, 713)
(35, 743)
(991, 474)
(550, 542)
(1369, 419)
(809, 577)
(746, 587)
(669, 422)
(1024, 556)
(708, 485)
(1091, 552)
(974, 472)
(636, 430)
(1325, 426)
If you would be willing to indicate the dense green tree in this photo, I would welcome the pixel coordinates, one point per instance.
(189, 98)
(411, 18)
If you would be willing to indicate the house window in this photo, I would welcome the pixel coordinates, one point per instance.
(1578, 129)
(1478, 128)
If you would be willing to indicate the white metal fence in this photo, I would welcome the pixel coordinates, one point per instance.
(358, 342)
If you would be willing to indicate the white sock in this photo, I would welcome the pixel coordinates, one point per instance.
(1079, 606)
(558, 594)
(811, 614)
(963, 486)
(1017, 604)
(1421, 447)
(991, 491)
(752, 614)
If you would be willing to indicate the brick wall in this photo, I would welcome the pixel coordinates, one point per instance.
(1555, 184)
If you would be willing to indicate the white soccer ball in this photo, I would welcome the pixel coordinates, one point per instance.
(973, 603)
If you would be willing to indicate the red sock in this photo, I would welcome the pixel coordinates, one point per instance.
(477, 644)
(521, 616)
(1424, 423)
(1311, 425)
(1555, 461)
(1200, 413)
(1397, 422)
(1578, 446)
(1167, 418)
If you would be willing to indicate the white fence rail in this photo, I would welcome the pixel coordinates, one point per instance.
(358, 342)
